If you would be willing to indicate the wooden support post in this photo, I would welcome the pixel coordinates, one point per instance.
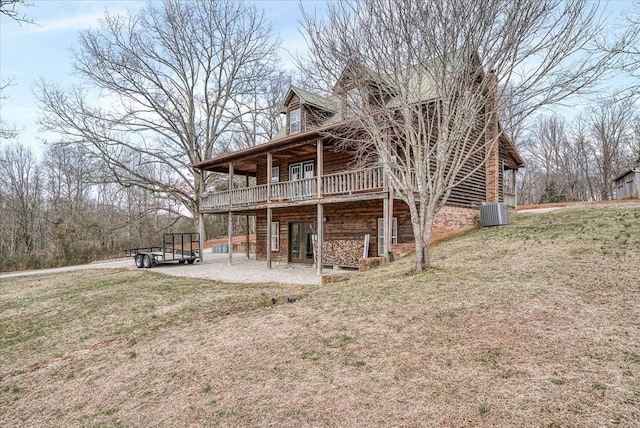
(320, 166)
(230, 222)
(247, 241)
(269, 237)
(320, 233)
(385, 217)
(201, 232)
(385, 226)
(201, 218)
(230, 183)
(269, 178)
(230, 237)
(389, 231)
(269, 213)
(514, 177)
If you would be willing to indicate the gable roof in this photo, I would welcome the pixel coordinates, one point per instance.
(421, 79)
(424, 82)
(328, 104)
(636, 168)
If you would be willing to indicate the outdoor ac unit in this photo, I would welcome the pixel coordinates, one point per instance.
(494, 215)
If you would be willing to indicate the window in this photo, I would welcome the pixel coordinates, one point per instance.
(275, 174)
(298, 171)
(294, 121)
(303, 189)
(394, 234)
(275, 235)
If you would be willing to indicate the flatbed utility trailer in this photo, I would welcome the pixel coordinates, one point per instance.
(176, 247)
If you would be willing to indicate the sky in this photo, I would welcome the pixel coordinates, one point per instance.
(29, 52)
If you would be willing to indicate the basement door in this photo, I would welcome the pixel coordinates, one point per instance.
(301, 242)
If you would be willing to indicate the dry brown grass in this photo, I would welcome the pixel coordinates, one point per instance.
(534, 324)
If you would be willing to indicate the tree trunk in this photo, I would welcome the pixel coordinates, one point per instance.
(422, 232)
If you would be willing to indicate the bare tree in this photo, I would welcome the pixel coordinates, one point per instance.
(635, 141)
(175, 79)
(262, 118)
(22, 203)
(423, 78)
(585, 155)
(6, 131)
(11, 8)
(546, 149)
(611, 126)
(631, 50)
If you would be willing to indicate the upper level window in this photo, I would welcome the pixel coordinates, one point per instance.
(294, 121)
(275, 174)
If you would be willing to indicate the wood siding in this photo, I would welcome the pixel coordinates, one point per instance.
(344, 221)
(334, 161)
(354, 221)
(628, 186)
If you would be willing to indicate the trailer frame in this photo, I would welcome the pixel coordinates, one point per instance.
(176, 248)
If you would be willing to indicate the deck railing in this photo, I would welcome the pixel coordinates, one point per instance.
(249, 195)
(361, 180)
(348, 182)
(215, 199)
(294, 190)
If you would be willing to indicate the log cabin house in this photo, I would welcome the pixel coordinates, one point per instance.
(307, 188)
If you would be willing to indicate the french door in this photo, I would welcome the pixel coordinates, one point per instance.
(301, 242)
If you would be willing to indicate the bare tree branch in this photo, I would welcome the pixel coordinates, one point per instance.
(178, 80)
(11, 8)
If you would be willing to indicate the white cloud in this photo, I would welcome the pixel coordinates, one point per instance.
(67, 23)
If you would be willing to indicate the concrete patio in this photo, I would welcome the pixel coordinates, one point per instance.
(214, 267)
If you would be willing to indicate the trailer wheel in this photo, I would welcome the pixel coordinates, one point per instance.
(146, 261)
(190, 261)
(139, 261)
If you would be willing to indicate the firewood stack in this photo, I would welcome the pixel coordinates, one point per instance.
(342, 252)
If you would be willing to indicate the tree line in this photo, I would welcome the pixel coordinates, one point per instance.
(578, 159)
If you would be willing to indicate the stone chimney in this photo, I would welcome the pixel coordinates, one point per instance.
(492, 145)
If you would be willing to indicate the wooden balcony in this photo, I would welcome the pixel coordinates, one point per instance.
(343, 186)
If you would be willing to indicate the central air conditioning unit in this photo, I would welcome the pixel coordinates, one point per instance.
(494, 215)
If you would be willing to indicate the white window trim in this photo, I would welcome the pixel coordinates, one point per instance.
(296, 122)
(275, 174)
(275, 235)
(394, 234)
(302, 169)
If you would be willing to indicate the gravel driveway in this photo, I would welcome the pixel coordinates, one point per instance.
(215, 266)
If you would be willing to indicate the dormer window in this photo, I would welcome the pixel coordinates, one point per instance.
(294, 121)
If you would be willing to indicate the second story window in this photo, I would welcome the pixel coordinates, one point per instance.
(294, 121)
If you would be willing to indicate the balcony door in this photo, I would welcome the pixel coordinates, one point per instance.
(301, 242)
(301, 171)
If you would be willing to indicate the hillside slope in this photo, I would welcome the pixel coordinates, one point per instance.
(533, 324)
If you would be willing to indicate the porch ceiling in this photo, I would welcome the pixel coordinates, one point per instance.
(248, 165)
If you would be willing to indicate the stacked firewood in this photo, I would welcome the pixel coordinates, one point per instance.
(342, 252)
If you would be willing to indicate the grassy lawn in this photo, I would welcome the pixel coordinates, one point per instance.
(533, 324)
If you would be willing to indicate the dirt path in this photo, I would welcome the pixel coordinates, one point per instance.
(107, 264)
